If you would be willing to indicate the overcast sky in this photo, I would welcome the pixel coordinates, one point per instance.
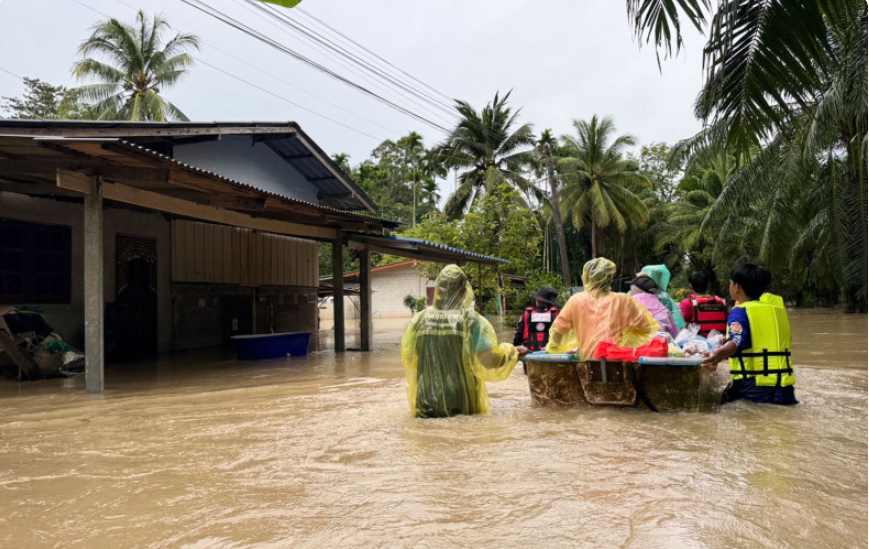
(563, 60)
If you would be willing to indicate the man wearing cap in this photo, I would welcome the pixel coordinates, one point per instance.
(532, 331)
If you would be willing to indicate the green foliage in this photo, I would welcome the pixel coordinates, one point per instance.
(415, 304)
(41, 100)
(401, 178)
(132, 67)
(490, 151)
(654, 164)
(498, 225)
(785, 94)
(600, 185)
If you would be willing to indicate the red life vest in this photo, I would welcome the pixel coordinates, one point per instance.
(710, 313)
(537, 324)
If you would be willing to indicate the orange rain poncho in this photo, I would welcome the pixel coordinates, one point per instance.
(597, 315)
(449, 352)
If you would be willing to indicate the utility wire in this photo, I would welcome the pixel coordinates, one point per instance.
(359, 46)
(284, 99)
(403, 87)
(301, 90)
(372, 81)
(292, 53)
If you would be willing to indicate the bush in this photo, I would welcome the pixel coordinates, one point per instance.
(415, 304)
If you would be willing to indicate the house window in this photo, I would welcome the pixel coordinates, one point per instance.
(35, 262)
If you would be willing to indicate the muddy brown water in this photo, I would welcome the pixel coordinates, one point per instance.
(200, 451)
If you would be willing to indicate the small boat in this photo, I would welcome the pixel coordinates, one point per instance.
(657, 384)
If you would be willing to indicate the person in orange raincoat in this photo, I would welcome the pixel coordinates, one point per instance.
(597, 314)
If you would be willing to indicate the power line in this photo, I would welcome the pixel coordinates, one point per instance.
(199, 60)
(363, 48)
(197, 4)
(12, 73)
(403, 87)
(349, 66)
(302, 90)
(284, 99)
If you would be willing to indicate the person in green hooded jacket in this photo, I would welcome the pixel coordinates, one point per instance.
(661, 275)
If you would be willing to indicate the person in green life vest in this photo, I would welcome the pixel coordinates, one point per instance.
(758, 341)
(449, 352)
(661, 275)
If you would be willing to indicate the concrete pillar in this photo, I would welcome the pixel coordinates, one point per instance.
(365, 298)
(338, 291)
(94, 301)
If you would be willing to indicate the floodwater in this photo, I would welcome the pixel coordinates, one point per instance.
(199, 451)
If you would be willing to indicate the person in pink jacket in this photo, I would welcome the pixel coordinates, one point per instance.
(643, 289)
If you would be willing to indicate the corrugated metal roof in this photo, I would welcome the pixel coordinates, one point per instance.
(417, 248)
(335, 188)
(144, 150)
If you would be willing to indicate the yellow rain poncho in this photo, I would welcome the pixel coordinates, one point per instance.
(597, 314)
(450, 351)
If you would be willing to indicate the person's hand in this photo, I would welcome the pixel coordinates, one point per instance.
(710, 361)
(523, 350)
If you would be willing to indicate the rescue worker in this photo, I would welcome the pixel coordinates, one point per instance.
(707, 310)
(597, 314)
(532, 331)
(661, 275)
(645, 290)
(449, 352)
(758, 341)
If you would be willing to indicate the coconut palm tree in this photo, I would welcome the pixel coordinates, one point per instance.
(599, 183)
(789, 78)
(132, 68)
(547, 146)
(491, 152)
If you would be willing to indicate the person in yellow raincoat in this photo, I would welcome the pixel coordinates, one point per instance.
(597, 314)
(449, 352)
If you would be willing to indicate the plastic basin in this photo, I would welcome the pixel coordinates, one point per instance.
(265, 346)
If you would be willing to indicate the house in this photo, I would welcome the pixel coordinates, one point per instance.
(137, 238)
(389, 286)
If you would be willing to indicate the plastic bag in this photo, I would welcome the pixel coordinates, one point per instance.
(691, 342)
(686, 334)
(449, 352)
(696, 347)
(715, 339)
(673, 350)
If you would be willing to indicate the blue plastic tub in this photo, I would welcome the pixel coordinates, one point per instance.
(265, 346)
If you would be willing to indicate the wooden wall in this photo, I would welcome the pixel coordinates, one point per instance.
(204, 252)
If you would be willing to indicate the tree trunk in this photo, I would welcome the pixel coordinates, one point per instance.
(556, 218)
(593, 236)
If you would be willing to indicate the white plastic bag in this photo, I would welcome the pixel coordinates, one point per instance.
(715, 339)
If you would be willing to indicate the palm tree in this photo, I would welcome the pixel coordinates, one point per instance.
(343, 161)
(137, 66)
(486, 145)
(545, 146)
(414, 149)
(789, 78)
(599, 183)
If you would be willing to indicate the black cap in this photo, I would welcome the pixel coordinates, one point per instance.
(546, 294)
(645, 283)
